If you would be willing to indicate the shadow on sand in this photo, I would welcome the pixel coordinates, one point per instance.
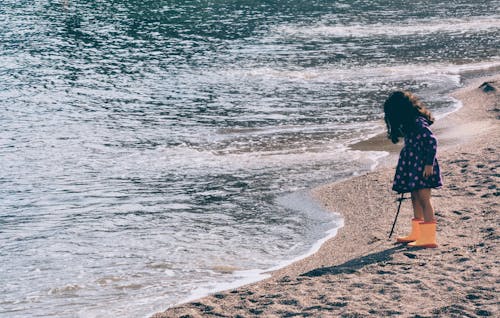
(353, 265)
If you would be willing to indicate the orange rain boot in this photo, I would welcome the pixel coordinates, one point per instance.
(427, 235)
(415, 232)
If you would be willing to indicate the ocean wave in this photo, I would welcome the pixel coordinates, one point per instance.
(418, 27)
(367, 73)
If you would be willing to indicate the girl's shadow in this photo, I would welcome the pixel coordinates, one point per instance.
(355, 264)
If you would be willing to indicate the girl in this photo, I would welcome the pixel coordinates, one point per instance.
(417, 170)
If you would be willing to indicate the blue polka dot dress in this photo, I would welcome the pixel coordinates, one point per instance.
(419, 150)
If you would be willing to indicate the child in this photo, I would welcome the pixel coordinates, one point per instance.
(417, 170)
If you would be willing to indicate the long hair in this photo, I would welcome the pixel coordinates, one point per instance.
(401, 110)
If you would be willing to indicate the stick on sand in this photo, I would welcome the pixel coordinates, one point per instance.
(397, 213)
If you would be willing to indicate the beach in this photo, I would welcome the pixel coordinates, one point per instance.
(361, 272)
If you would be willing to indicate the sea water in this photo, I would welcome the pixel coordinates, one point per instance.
(154, 151)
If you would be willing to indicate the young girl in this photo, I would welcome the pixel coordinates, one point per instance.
(417, 170)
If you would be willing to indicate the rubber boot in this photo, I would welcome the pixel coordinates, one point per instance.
(427, 235)
(415, 232)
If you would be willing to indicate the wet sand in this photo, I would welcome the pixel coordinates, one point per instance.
(360, 272)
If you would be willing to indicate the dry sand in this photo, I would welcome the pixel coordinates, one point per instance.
(360, 272)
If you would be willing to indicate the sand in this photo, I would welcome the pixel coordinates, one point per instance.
(362, 273)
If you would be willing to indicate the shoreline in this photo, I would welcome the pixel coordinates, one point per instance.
(347, 255)
(251, 276)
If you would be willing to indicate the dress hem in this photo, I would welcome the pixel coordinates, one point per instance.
(417, 188)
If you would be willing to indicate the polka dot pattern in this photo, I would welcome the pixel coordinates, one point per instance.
(419, 150)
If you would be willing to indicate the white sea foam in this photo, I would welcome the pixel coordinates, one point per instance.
(457, 104)
(368, 74)
(420, 27)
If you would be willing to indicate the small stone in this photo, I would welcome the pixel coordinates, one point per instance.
(487, 87)
(410, 255)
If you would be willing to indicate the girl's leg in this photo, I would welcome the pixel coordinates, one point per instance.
(423, 196)
(418, 210)
(415, 223)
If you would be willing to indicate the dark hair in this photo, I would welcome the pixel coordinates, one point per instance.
(401, 111)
